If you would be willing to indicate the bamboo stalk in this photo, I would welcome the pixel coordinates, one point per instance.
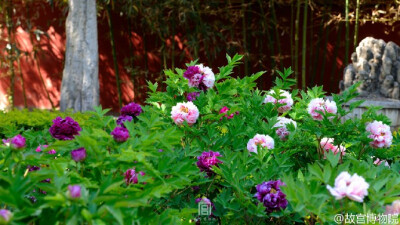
(304, 51)
(346, 57)
(335, 53)
(173, 47)
(270, 41)
(296, 40)
(131, 61)
(22, 83)
(114, 55)
(356, 25)
(291, 32)
(244, 34)
(319, 39)
(10, 51)
(36, 59)
(310, 40)
(278, 43)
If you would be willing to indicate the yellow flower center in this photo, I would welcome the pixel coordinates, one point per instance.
(184, 109)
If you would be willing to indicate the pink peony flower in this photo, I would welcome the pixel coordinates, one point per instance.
(185, 111)
(319, 104)
(327, 145)
(354, 187)
(379, 162)
(264, 141)
(380, 134)
(393, 209)
(200, 76)
(287, 100)
(282, 131)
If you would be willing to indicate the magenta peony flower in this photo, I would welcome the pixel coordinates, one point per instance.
(78, 155)
(264, 141)
(132, 109)
(200, 76)
(122, 119)
(393, 209)
(16, 142)
(380, 134)
(64, 129)
(354, 187)
(120, 134)
(192, 96)
(74, 191)
(327, 145)
(270, 194)
(131, 177)
(224, 110)
(40, 148)
(206, 160)
(282, 131)
(5, 216)
(185, 111)
(319, 104)
(286, 101)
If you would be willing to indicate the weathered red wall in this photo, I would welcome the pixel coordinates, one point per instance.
(51, 57)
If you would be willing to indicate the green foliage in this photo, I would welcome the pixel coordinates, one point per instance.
(167, 193)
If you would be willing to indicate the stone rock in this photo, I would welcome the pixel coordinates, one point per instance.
(377, 65)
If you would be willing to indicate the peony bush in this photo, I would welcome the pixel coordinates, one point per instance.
(204, 140)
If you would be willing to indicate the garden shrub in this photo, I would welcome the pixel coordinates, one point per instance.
(279, 156)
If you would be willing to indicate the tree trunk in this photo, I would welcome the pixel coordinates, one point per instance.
(80, 82)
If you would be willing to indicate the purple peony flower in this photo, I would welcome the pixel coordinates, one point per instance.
(191, 71)
(131, 177)
(74, 191)
(192, 96)
(33, 168)
(79, 154)
(120, 134)
(64, 129)
(132, 109)
(5, 216)
(52, 152)
(207, 160)
(270, 194)
(16, 142)
(122, 119)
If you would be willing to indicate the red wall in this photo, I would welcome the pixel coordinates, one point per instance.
(52, 49)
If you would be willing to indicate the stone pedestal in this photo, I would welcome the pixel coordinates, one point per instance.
(390, 108)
